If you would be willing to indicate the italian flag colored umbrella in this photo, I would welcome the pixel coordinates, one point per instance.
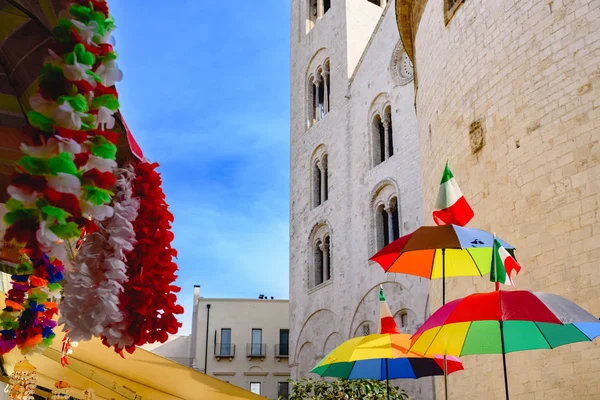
(382, 356)
(440, 251)
(502, 322)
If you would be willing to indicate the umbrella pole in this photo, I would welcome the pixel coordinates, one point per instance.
(443, 277)
(387, 379)
(504, 361)
(444, 303)
(445, 377)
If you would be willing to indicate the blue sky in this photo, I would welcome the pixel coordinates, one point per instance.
(206, 94)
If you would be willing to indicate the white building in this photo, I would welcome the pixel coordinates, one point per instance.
(355, 176)
(242, 341)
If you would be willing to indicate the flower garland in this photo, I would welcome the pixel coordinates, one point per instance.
(65, 176)
(149, 301)
(90, 303)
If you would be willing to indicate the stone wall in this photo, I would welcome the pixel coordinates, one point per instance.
(529, 72)
(323, 317)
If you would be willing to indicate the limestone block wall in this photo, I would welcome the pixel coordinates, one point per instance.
(322, 318)
(529, 72)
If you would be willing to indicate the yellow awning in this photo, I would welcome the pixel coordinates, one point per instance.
(140, 376)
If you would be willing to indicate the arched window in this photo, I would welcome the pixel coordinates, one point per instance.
(395, 220)
(363, 329)
(317, 174)
(320, 177)
(387, 126)
(319, 101)
(382, 135)
(403, 320)
(406, 320)
(383, 227)
(321, 265)
(325, 177)
(386, 209)
(326, 72)
(316, 9)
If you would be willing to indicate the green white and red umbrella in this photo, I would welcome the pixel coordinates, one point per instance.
(502, 322)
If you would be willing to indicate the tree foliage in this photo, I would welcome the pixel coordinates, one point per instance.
(308, 389)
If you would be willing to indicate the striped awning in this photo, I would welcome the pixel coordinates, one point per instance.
(25, 34)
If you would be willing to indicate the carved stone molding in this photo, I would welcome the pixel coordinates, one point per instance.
(401, 67)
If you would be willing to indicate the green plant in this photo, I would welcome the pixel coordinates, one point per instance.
(308, 389)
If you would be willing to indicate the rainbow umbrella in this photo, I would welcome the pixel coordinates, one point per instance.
(382, 356)
(440, 251)
(502, 322)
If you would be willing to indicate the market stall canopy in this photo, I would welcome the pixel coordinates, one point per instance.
(140, 376)
(25, 35)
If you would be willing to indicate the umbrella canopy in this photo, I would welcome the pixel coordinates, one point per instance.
(381, 356)
(440, 251)
(365, 357)
(502, 322)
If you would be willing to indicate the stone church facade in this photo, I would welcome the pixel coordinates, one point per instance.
(355, 177)
(509, 92)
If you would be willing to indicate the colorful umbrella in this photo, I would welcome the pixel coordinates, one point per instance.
(382, 356)
(502, 322)
(439, 251)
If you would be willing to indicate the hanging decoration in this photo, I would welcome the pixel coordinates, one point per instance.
(63, 182)
(62, 390)
(89, 394)
(148, 302)
(90, 302)
(67, 349)
(22, 382)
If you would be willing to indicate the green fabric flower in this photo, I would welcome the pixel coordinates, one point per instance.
(62, 32)
(14, 216)
(78, 102)
(24, 268)
(33, 165)
(62, 163)
(13, 205)
(97, 196)
(109, 101)
(66, 231)
(80, 55)
(40, 121)
(56, 214)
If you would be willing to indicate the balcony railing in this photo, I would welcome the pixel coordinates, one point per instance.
(282, 350)
(256, 350)
(224, 350)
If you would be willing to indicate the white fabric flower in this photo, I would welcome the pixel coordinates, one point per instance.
(98, 213)
(67, 117)
(109, 72)
(28, 199)
(105, 119)
(65, 183)
(40, 104)
(86, 31)
(101, 164)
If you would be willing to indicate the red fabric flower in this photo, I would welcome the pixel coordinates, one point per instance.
(81, 159)
(148, 301)
(103, 180)
(29, 183)
(67, 201)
